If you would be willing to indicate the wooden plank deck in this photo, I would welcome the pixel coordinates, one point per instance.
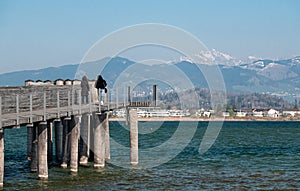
(28, 104)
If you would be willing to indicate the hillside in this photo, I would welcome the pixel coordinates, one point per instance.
(240, 101)
(280, 78)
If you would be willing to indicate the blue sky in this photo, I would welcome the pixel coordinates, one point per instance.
(37, 34)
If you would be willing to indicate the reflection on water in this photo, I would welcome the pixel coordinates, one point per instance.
(246, 155)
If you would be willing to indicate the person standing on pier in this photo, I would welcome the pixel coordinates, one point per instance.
(85, 89)
(100, 85)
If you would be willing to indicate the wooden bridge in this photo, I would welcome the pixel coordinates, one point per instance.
(77, 126)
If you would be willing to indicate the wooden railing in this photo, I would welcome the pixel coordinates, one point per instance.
(23, 105)
(29, 104)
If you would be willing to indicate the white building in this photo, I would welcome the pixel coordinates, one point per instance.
(272, 113)
(206, 114)
(225, 114)
(257, 113)
(141, 113)
(292, 113)
(202, 113)
(158, 113)
(241, 114)
(150, 112)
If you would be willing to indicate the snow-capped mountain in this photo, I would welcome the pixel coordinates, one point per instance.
(271, 69)
(277, 77)
(225, 59)
(275, 69)
(212, 57)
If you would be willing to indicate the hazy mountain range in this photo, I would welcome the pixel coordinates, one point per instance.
(276, 77)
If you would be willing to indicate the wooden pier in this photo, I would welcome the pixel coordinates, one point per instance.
(78, 128)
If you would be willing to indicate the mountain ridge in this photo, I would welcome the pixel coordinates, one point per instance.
(275, 77)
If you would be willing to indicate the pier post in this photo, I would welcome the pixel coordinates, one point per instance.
(30, 109)
(42, 151)
(124, 97)
(108, 99)
(17, 110)
(1, 156)
(66, 145)
(99, 141)
(58, 104)
(45, 107)
(34, 149)
(29, 141)
(69, 103)
(89, 125)
(133, 137)
(84, 139)
(107, 141)
(50, 140)
(104, 97)
(58, 140)
(75, 125)
(117, 98)
(1, 147)
(127, 115)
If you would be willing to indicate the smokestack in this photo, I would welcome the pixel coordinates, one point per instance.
(154, 95)
(129, 95)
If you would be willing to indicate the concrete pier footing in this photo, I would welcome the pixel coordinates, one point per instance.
(75, 133)
(99, 140)
(34, 149)
(42, 151)
(1, 157)
(133, 122)
(58, 140)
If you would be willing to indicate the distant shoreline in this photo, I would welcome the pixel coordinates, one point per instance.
(209, 119)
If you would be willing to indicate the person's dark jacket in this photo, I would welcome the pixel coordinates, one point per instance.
(100, 83)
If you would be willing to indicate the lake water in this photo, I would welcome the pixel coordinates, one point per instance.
(245, 156)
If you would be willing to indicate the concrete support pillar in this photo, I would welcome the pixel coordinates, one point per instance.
(84, 139)
(66, 145)
(66, 142)
(91, 136)
(50, 140)
(29, 141)
(89, 141)
(75, 125)
(58, 140)
(42, 151)
(34, 149)
(107, 141)
(99, 141)
(127, 116)
(1, 157)
(134, 150)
